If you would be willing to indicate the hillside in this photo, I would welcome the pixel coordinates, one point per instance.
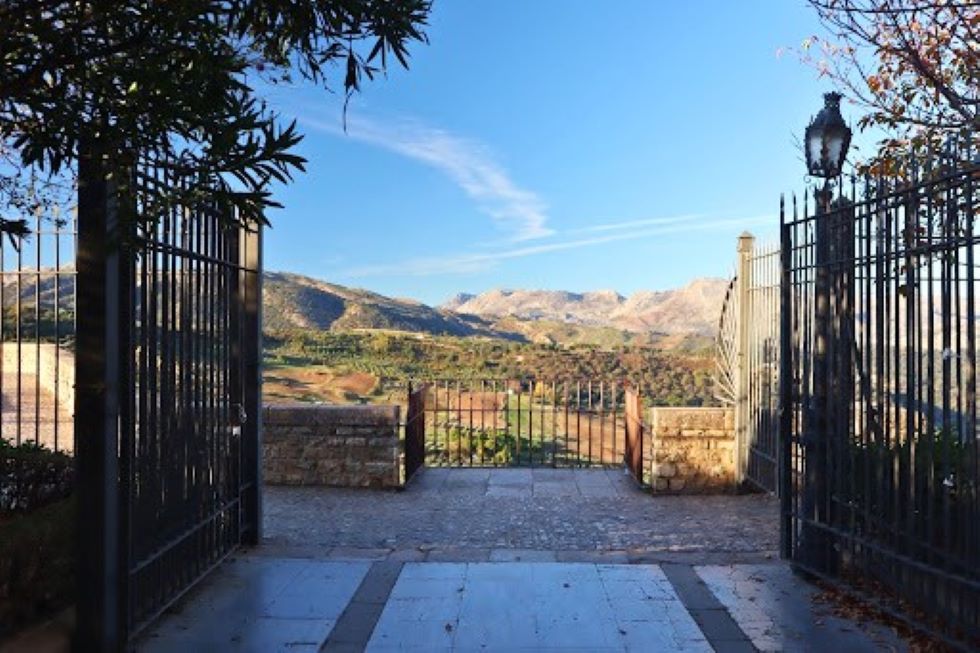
(544, 316)
(602, 318)
(692, 309)
(293, 301)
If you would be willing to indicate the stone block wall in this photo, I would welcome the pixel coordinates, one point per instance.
(693, 450)
(338, 446)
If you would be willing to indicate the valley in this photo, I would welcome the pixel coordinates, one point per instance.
(332, 344)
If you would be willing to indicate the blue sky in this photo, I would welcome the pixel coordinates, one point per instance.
(561, 144)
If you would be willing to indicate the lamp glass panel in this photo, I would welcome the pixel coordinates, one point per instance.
(835, 143)
(815, 150)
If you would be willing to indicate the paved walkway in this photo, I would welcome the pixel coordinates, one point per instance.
(574, 515)
(265, 604)
(509, 560)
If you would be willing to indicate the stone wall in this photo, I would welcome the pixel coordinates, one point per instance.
(340, 446)
(693, 450)
(46, 387)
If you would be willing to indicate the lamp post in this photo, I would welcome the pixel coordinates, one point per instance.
(826, 142)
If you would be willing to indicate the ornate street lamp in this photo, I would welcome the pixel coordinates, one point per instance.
(827, 139)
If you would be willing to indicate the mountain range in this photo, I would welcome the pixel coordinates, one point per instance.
(295, 301)
(548, 316)
(692, 309)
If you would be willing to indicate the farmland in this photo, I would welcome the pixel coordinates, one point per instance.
(375, 366)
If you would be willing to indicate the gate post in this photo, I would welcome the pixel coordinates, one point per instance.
(251, 349)
(784, 470)
(746, 247)
(817, 436)
(100, 567)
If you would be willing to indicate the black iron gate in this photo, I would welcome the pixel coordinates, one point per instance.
(879, 439)
(415, 431)
(524, 422)
(167, 402)
(635, 448)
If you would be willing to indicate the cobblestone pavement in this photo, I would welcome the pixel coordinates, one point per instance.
(468, 514)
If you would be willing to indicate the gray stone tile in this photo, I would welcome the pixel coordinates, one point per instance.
(575, 631)
(454, 554)
(437, 608)
(649, 614)
(358, 553)
(356, 624)
(643, 637)
(509, 490)
(594, 556)
(775, 610)
(551, 474)
(597, 490)
(536, 606)
(463, 476)
(513, 572)
(736, 646)
(717, 625)
(260, 604)
(390, 635)
(407, 555)
(510, 476)
(342, 647)
(521, 555)
(322, 605)
(499, 629)
(433, 571)
(426, 588)
(552, 489)
(377, 585)
(271, 634)
(428, 479)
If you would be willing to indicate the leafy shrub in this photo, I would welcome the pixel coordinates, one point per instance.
(32, 476)
(37, 569)
(37, 527)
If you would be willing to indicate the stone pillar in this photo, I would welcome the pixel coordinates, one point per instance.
(746, 247)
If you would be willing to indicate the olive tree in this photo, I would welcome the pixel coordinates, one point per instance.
(178, 83)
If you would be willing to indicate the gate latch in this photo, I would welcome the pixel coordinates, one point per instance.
(238, 418)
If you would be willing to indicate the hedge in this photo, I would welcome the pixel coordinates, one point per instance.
(37, 535)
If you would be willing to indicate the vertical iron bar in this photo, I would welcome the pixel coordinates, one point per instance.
(785, 386)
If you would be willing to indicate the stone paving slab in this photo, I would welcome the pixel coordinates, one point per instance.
(266, 603)
(260, 604)
(775, 609)
(534, 607)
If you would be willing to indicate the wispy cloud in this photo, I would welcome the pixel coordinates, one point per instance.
(630, 224)
(477, 262)
(468, 163)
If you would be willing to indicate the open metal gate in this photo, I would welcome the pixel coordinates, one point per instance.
(748, 361)
(878, 433)
(524, 422)
(167, 404)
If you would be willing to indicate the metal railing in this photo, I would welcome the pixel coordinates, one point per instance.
(636, 444)
(493, 422)
(414, 429)
(37, 335)
(878, 431)
(748, 361)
